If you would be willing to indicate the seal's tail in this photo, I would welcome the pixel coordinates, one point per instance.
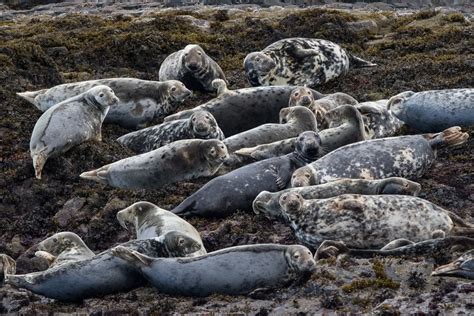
(450, 137)
(98, 175)
(357, 62)
(131, 256)
(30, 96)
(39, 160)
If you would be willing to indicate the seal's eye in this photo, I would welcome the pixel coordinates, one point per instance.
(207, 117)
(180, 241)
(186, 55)
(173, 89)
(199, 53)
(307, 175)
(301, 139)
(55, 239)
(194, 119)
(257, 59)
(284, 198)
(213, 151)
(101, 95)
(296, 255)
(296, 94)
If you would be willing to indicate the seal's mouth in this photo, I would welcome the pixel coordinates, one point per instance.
(305, 101)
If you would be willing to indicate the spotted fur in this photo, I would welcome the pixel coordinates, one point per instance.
(380, 121)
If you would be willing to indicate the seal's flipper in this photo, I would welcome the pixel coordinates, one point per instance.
(132, 256)
(458, 221)
(46, 256)
(450, 137)
(462, 267)
(369, 109)
(359, 62)
(185, 208)
(30, 96)
(298, 52)
(98, 175)
(330, 248)
(246, 152)
(397, 243)
(39, 160)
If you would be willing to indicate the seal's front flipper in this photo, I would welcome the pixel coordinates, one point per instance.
(330, 249)
(46, 256)
(298, 52)
(132, 256)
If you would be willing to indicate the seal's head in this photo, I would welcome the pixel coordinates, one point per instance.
(180, 245)
(194, 58)
(219, 85)
(399, 186)
(300, 259)
(102, 97)
(308, 146)
(135, 214)
(396, 104)
(301, 96)
(462, 267)
(60, 242)
(267, 204)
(299, 115)
(177, 91)
(203, 124)
(291, 204)
(214, 151)
(257, 65)
(302, 177)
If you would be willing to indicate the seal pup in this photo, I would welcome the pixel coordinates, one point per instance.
(298, 61)
(151, 221)
(69, 123)
(404, 156)
(179, 161)
(193, 67)
(140, 101)
(434, 110)
(225, 194)
(62, 248)
(366, 221)
(380, 121)
(201, 125)
(244, 109)
(268, 203)
(233, 271)
(102, 274)
(463, 267)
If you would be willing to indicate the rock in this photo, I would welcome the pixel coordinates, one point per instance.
(15, 248)
(365, 25)
(69, 210)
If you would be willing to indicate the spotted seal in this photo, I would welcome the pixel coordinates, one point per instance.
(365, 221)
(404, 156)
(201, 125)
(434, 110)
(236, 190)
(102, 274)
(179, 161)
(463, 267)
(140, 101)
(63, 247)
(70, 123)
(235, 270)
(151, 221)
(299, 61)
(268, 203)
(244, 109)
(381, 122)
(193, 67)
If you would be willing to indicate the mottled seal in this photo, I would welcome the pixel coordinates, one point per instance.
(463, 267)
(104, 273)
(405, 156)
(380, 121)
(193, 67)
(293, 121)
(244, 109)
(299, 61)
(435, 110)
(201, 125)
(179, 161)
(236, 190)
(268, 203)
(322, 106)
(70, 123)
(365, 221)
(140, 101)
(151, 221)
(62, 248)
(235, 270)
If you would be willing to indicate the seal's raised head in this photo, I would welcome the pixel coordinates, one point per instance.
(60, 242)
(300, 114)
(177, 91)
(300, 259)
(302, 177)
(101, 95)
(179, 244)
(301, 96)
(261, 202)
(257, 64)
(135, 211)
(291, 203)
(214, 150)
(308, 145)
(400, 186)
(202, 124)
(194, 58)
(396, 103)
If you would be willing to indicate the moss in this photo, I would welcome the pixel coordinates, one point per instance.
(455, 17)
(381, 280)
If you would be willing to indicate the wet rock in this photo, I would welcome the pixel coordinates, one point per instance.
(15, 248)
(69, 211)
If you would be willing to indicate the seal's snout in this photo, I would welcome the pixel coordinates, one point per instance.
(193, 66)
(306, 100)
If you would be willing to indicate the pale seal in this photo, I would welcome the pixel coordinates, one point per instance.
(268, 203)
(380, 121)
(365, 221)
(434, 110)
(235, 270)
(463, 267)
(299, 61)
(62, 248)
(102, 274)
(151, 221)
(244, 109)
(179, 161)
(236, 190)
(140, 101)
(404, 156)
(201, 125)
(193, 67)
(69, 123)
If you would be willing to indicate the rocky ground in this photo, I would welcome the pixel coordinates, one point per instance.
(414, 50)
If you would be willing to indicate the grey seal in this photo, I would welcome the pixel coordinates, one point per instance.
(268, 203)
(235, 270)
(102, 274)
(201, 125)
(151, 221)
(381, 122)
(236, 190)
(193, 67)
(299, 61)
(140, 101)
(434, 110)
(179, 161)
(463, 267)
(69, 123)
(404, 156)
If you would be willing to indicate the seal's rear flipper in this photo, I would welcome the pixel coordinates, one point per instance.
(450, 137)
(39, 160)
(359, 62)
(98, 175)
(132, 256)
(30, 96)
(185, 208)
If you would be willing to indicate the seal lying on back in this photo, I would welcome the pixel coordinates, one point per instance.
(104, 273)
(182, 160)
(435, 110)
(380, 121)
(140, 101)
(236, 190)
(299, 61)
(244, 109)
(463, 267)
(69, 123)
(405, 156)
(201, 125)
(235, 270)
(151, 221)
(193, 67)
(268, 203)
(62, 248)
(365, 221)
